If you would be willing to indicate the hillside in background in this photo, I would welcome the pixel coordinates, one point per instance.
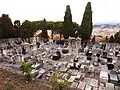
(105, 29)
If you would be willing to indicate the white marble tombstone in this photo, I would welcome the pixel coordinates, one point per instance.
(74, 44)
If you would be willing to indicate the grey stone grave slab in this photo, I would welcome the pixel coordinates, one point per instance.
(63, 69)
(82, 67)
(39, 75)
(109, 86)
(71, 79)
(60, 75)
(93, 82)
(94, 88)
(102, 84)
(74, 72)
(117, 87)
(70, 71)
(113, 78)
(77, 77)
(34, 71)
(104, 68)
(88, 87)
(101, 88)
(81, 86)
(87, 62)
(86, 80)
(103, 76)
(42, 71)
(79, 73)
(65, 76)
(74, 85)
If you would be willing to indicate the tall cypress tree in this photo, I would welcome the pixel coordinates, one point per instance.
(111, 39)
(67, 24)
(44, 29)
(86, 25)
(7, 26)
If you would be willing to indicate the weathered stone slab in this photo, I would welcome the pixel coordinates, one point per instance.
(81, 86)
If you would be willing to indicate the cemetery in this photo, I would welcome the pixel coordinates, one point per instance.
(84, 68)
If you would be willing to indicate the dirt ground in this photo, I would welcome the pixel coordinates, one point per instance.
(11, 81)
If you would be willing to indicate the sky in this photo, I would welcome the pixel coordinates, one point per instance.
(104, 11)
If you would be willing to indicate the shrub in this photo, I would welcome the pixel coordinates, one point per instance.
(27, 69)
(57, 83)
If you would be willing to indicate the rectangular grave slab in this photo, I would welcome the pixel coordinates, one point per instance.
(101, 88)
(113, 78)
(88, 87)
(75, 72)
(71, 79)
(103, 76)
(94, 88)
(86, 80)
(94, 82)
(109, 86)
(65, 76)
(81, 86)
(74, 85)
(117, 87)
(42, 71)
(39, 75)
(64, 69)
(69, 71)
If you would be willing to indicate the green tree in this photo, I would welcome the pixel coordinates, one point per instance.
(27, 29)
(106, 39)
(111, 39)
(117, 37)
(43, 27)
(67, 24)
(17, 24)
(75, 29)
(86, 25)
(27, 69)
(51, 26)
(6, 26)
(1, 33)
